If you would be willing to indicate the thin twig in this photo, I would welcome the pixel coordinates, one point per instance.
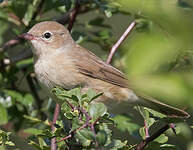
(118, 43)
(146, 129)
(72, 15)
(56, 114)
(143, 143)
(10, 43)
(70, 135)
(64, 19)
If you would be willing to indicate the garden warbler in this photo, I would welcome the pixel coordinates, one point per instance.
(59, 61)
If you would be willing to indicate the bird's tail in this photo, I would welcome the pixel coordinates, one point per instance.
(163, 108)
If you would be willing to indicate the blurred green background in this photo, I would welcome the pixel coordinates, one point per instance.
(157, 56)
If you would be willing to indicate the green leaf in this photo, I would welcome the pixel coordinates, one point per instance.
(76, 123)
(96, 96)
(28, 15)
(115, 144)
(162, 139)
(28, 99)
(101, 137)
(97, 110)
(37, 146)
(104, 127)
(142, 132)
(124, 123)
(15, 95)
(143, 112)
(89, 135)
(4, 138)
(155, 113)
(36, 120)
(62, 94)
(3, 115)
(67, 110)
(33, 131)
(9, 143)
(84, 141)
(168, 147)
(92, 95)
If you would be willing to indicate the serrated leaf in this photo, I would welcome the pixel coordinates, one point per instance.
(97, 110)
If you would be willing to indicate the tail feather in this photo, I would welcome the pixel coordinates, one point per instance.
(163, 108)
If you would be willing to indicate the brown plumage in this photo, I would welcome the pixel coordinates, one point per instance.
(60, 61)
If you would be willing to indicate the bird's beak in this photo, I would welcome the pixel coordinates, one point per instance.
(27, 36)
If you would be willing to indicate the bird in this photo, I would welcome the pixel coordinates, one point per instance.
(60, 61)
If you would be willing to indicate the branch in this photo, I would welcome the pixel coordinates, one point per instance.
(143, 144)
(73, 14)
(56, 114)
(12, 42)
(66, 17)
(118, 43)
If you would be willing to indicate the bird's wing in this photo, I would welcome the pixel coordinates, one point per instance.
(93, 66)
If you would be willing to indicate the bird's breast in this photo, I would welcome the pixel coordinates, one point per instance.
(57, 71)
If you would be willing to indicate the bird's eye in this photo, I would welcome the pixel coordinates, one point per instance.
(47, 35)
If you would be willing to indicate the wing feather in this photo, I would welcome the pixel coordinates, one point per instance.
(93, 66)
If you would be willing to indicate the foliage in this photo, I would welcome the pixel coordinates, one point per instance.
(156, 56)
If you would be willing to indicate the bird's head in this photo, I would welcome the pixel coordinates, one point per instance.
(48, 36)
